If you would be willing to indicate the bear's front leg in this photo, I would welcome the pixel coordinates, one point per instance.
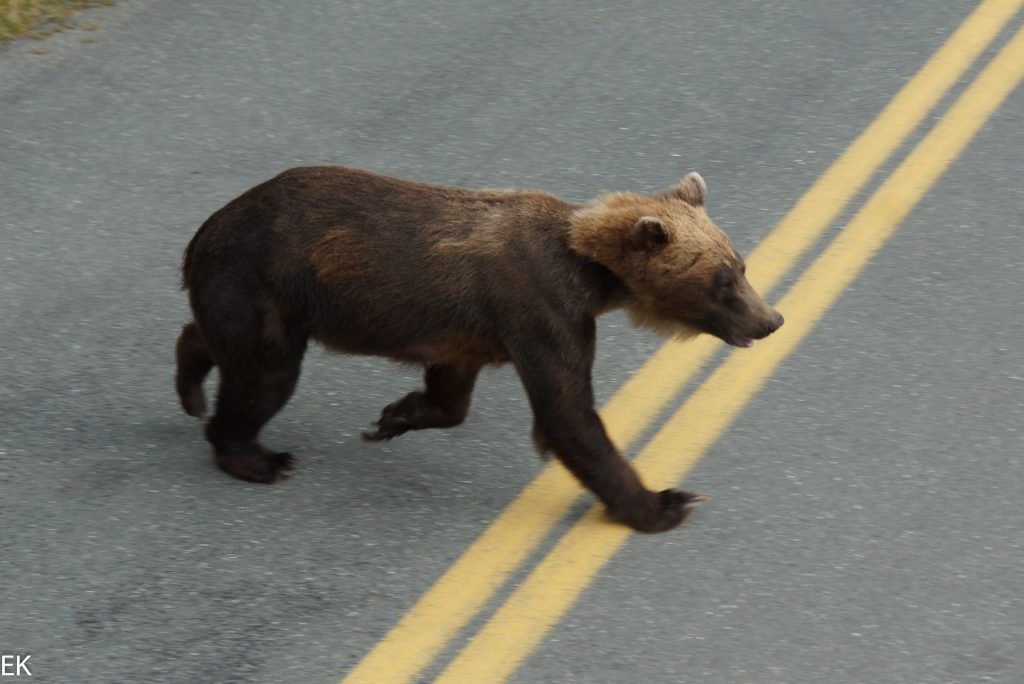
(566, 423)
(444, 403)
(578, 439)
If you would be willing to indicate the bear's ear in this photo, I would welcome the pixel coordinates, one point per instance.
(691, 189)
(650, 232)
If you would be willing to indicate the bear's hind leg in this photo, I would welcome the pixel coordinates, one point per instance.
(444, 403)
(249, 395)
(193, 364)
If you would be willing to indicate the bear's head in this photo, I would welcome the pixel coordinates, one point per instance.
(682, 273)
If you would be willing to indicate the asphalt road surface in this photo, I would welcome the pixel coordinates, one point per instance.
(866, 524)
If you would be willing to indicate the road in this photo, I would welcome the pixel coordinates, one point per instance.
(866, 520)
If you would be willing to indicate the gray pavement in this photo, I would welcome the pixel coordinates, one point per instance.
(866, 524)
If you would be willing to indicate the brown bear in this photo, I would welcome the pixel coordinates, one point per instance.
(451, 279)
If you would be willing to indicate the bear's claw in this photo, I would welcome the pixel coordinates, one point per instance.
(388, 427)
(660, 511)
(256, 464)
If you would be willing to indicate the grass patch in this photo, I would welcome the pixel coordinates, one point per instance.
(39, 18)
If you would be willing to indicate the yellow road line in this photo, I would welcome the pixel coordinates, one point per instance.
(486, 565)
(551, 589)
(629, 411)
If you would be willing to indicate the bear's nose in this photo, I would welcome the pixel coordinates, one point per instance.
(776, 323)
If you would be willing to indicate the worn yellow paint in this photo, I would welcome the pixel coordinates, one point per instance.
(551, 589)
(486, 565)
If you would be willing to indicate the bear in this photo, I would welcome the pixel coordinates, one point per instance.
(452, 280)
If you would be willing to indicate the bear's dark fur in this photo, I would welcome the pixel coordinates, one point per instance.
(451, 279)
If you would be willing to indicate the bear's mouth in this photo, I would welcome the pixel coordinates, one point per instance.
(731, 338)
(735, 340)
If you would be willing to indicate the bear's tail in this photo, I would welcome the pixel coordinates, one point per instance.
(188, 259)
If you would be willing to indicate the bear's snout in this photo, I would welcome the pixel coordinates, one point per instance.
(754, 328)
(767, 327)
(774, 324)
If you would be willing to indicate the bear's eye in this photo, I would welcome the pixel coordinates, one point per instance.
(723, 279)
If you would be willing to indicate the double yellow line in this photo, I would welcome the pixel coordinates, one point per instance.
(551, 588)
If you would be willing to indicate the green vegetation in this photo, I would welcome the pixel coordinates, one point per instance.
(39, 17)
